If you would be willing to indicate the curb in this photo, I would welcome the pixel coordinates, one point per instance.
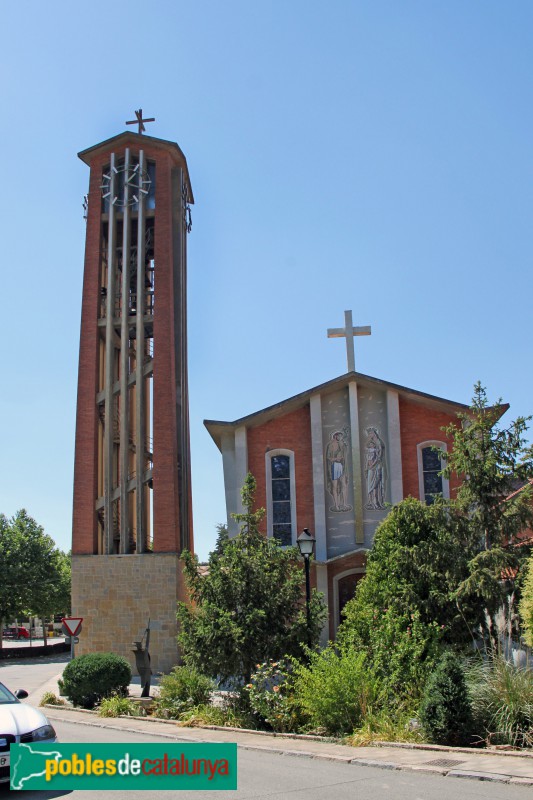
(479, 776)
(441, 748)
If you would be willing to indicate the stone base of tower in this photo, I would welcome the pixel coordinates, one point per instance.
(117, 594)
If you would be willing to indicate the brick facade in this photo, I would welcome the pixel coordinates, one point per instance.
(166, 498)
(290, 432)
(419, 423)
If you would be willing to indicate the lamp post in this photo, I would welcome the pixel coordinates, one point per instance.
(306, 545)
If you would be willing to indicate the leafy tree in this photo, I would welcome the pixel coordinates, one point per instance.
(63, 584)
(495, 497)
(52, 593)
(12, 561)
(36, 575)
(248, 608)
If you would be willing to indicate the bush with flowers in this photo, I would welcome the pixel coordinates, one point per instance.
(271, 695)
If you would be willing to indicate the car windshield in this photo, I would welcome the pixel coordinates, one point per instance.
(6, 696)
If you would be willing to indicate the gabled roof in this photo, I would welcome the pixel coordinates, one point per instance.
(137, 140)
(217, 428)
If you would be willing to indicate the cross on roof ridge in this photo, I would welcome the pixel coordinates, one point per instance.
(349, 332)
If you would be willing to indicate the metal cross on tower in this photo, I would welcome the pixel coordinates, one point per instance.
(349, 332)
(140, 121)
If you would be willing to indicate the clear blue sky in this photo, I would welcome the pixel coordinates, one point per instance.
(368, 155)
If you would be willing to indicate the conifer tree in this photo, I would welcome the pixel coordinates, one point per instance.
(445, 711)
(249, 606)
(495, 497)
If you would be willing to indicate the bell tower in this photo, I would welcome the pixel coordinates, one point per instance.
(132, 513)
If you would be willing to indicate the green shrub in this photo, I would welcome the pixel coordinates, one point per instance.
(88, 679)
(445, 711)
(502, 700)
(182, 689)
(336, 690)
(117, 706)
(271, 695)
(401, 647)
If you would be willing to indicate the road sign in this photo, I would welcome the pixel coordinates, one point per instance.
(71, 625)
(72, 640)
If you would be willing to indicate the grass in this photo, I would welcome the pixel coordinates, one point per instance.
(386, 726)
(502, 700)
(225, 717)
(119, 707)
(51, 699)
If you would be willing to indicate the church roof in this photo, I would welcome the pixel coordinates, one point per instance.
(137, 140)
(217, 428)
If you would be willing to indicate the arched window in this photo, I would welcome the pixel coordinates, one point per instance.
(430, 464)
(281, 496)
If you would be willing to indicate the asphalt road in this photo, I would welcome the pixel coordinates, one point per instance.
(271, 776)
(31, 673)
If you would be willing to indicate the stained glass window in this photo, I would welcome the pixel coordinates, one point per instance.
(281, 499)
(431, 465)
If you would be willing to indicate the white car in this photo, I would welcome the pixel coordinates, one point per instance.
(19, 723)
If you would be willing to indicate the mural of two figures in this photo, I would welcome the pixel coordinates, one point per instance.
(337, 459)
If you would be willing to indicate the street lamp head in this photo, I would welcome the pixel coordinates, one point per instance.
(306, 543)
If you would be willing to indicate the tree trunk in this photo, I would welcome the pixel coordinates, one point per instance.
(45, 638)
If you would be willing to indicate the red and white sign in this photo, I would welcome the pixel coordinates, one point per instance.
(72, 624)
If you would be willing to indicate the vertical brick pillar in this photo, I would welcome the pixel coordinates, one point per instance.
(166, 490)
(86, 455)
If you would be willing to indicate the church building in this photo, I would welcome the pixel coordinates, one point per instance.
(333, 459)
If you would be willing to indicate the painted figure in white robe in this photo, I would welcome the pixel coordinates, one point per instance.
(337, 475)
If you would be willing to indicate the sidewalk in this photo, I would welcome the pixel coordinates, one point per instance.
(499, 766)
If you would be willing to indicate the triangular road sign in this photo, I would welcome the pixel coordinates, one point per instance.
(72, 624)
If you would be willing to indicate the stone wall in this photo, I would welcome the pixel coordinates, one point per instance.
(116, 594)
